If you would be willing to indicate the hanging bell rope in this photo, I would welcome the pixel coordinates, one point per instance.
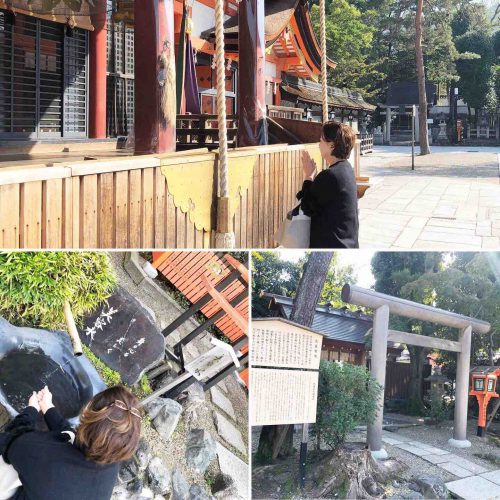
(324, 87)
(224, 237)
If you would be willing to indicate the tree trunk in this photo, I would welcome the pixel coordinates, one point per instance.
(310, 287)
(422, 96)
(304, 306)
(417, 359)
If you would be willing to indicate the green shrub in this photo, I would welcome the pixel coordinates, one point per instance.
(35, 285)
(438, 410)
(346, 398)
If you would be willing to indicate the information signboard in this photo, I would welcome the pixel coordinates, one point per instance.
(285, 359)
(283, 396)
(283, 345)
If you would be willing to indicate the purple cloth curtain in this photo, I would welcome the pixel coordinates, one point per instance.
(190, 82)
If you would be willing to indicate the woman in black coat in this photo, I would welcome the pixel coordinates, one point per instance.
(65, 463)
(330, 197)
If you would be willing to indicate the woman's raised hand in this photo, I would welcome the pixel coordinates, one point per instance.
(33, 401)
(308, 166)
(45, 399)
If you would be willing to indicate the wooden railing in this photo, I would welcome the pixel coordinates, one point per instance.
(483, 133)
(127, 202)
(203, 130)
(285, 112)
(366, 143)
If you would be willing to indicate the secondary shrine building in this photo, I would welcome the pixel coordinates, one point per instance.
(93, 74)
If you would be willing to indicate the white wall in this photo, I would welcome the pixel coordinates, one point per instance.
(270, 69)
(203, 18)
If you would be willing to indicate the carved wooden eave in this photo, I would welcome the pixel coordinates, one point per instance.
(291, 43)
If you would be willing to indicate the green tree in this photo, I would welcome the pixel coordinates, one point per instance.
(272, 274)
(392, 272)
(475, 41)
(336, 278)
(348, 39)
(470, 285)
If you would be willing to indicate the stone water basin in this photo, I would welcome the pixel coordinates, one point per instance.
(32, 358)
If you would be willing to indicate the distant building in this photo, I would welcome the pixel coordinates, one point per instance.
(345, 331)
(446, 112)
(401, 97)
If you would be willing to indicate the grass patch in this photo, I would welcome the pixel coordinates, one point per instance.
(209, 480)
(112, 377)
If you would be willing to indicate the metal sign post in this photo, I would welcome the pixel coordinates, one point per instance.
(413, 113)
(303, 455)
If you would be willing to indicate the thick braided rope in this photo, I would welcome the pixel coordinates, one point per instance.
(221, 96)
(324, 88)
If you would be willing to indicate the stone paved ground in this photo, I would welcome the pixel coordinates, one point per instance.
(471, 481)
(425, 449)
(451, 200)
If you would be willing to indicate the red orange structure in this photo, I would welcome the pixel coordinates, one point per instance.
(483, 383)
(223, 277)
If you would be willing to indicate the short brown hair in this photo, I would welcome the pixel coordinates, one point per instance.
(110, 426)
(342, 136)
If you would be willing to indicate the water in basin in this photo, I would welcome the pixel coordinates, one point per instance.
(24, 371)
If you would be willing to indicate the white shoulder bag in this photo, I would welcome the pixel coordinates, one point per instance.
(295, 230)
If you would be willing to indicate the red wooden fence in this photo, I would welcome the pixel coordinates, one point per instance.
(184, 270)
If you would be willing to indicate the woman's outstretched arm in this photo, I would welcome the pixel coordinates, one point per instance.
(54, 420)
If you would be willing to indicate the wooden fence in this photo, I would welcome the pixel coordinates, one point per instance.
(153, 201)
(366, 143)
(397, 380)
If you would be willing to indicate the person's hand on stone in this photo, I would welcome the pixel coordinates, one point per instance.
(33, 401)
(308, 166)
(45, 399)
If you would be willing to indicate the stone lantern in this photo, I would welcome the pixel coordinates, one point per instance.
(437, 381)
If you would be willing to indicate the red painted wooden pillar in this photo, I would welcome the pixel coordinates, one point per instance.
(155, 99)
(252, 127)
(97, 74)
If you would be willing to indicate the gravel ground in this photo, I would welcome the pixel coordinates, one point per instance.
(438, 437)
(432, 435)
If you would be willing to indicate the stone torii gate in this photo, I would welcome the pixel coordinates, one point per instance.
(385, 305)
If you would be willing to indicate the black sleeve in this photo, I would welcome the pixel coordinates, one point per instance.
(56, 422)
(318, 193)
(23, 423)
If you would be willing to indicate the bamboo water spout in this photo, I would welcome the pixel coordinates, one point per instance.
(72, 331)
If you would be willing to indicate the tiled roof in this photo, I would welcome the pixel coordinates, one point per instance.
(311, 92)
(277, 16)
(406, 93)
(336, 324)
